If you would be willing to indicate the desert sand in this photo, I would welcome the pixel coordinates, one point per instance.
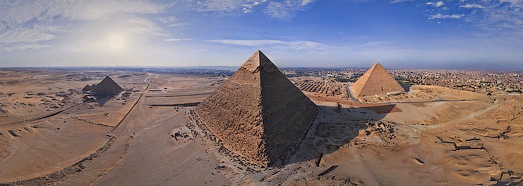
(428, 136)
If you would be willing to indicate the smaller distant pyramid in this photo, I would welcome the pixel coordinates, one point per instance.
(87, 88)
(107, 86)
(376, 81)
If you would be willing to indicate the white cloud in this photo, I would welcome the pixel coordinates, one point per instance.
(501, 18)
(26, 24)
(23, 38)
(19, 35)
(278, 10)
(472, 6)
(451, 16)
(286, 9)
(513, 3)
(178, 39)
(306, 2)
(21, 46)
(226, 6)
(400, 1)
(275, 9)
(374, 44)
(436, 4)
(222, 5)
(170, 21)
(146, 26)
(24, 11)
(275, 44)
(249, 6)
(496, 18)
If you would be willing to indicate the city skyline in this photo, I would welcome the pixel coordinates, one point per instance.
(295, 33)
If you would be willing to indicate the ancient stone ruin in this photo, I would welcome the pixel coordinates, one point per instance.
(258, 113)
(376, 81)
(106, 87)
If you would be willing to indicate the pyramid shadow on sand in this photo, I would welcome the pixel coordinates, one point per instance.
(102, 99)
(327, 136)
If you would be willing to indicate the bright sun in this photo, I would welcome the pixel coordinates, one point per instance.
(116, 41)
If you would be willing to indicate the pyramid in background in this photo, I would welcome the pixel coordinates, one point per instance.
(258, 113)
(376, 81)
(107, 86)
(87, 88)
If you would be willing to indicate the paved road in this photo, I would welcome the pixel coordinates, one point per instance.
(349, 93)
(157, 76)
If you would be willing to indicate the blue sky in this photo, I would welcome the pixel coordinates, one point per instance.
(293, 33)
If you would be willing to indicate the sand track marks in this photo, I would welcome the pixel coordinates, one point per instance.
(48, 115)
(72, 169)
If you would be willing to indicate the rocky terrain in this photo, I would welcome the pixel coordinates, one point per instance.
(325, 87)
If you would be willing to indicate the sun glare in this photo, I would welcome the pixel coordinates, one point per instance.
(116, 41)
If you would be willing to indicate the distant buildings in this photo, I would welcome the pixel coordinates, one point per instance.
(470, 80)
(475, 81)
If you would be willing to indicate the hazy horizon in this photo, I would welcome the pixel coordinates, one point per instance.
(234, 68)
(400, 34)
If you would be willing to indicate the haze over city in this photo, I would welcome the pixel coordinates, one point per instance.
(461, 34)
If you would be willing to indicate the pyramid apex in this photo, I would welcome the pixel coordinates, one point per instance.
(377, 64)
(108, 78)
(258, 61)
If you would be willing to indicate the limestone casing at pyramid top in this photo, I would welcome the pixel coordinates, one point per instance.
(258, 61)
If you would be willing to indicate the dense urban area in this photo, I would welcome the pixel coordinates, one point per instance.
(470, 80)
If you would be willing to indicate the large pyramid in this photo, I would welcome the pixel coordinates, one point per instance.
(258, 113)
(376, 81)
(107, 86)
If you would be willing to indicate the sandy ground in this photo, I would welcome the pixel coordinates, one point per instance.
(431, 136)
